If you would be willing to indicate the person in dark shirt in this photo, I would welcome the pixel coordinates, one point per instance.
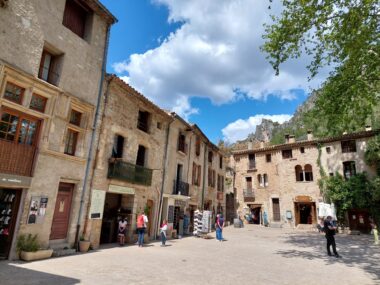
(330, 232)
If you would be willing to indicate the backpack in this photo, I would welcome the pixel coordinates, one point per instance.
(140, 221)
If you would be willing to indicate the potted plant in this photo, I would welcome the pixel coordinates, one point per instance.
(29, 248)
(84, 244)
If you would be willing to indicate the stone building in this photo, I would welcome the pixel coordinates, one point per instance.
(129, 164)
(52, 59)
(279, 183)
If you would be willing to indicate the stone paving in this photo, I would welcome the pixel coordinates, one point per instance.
(251, 255)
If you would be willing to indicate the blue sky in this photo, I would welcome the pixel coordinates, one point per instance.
(182, 56)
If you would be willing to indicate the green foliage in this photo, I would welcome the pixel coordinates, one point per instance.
(28, 243)
(342, 34)
(372, 154)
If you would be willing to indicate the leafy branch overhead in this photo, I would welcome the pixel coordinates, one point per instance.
(340, 34)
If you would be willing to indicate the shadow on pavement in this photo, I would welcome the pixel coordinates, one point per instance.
(9, 270)
(356, 251)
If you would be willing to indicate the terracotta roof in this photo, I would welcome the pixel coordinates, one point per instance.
(356, 135)
(101, 10)
(113, 78)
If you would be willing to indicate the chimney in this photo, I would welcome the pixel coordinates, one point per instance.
(292, 139)
(310, 135)
(262, 144)
(287, 138)
(368, 128)
(250, 145)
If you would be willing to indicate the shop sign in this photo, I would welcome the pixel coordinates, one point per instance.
(98, 198)
(303, 199)
(37, 210)
(121, 189)
(15, 180)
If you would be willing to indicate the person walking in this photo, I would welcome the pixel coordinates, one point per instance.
(122, 230)
(329, 234)
(219, 227)
(374, 231)
(142, 221)
(163, 229)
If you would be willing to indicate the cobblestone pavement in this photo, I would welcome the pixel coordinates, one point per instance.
(251, 255)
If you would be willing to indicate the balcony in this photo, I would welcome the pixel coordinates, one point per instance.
(249, 195)
(17, 159)
(180, 188)
(129, 172)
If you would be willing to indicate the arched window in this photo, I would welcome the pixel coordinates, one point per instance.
(259, 180)
(265, 180)
(308, 172)
(299, 173)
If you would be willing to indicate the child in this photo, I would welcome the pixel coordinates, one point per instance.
(163, 230)
(122, 230)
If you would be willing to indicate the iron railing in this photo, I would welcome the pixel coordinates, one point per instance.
(248, 193)
(122, 170)
(180, 188)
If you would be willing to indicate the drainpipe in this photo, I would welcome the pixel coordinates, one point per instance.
(93, 136)
(164, 164)
(204, 177)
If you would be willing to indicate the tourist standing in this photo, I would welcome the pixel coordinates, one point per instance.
(219, 227)
(142, 221)
(329, 233)
(374, 231)
(163, 229)
(122, 230)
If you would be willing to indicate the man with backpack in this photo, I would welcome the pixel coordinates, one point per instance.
(329, 233)
(142, 221)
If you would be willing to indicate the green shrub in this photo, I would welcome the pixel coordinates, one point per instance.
(27, 243)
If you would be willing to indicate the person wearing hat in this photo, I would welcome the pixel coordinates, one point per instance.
(329, 233)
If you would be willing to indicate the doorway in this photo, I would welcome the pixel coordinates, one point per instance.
(276, 209)
(62, 211)
(256, 214)
(305, 213)
(9, 206)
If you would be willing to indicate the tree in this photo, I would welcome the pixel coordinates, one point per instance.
(342, 34)
(372, 153)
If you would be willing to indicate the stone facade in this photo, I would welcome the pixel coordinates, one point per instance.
(121, 120)
(30, 30)
(282, 180)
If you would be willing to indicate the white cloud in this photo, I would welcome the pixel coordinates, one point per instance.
(240, 129)
(213, 53)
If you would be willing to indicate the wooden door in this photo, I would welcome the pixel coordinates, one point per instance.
(276, 209)
(149, 203)
(62, 211)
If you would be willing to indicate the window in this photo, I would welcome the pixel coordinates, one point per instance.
(159, 126)
(349, 169)
(71, 142)
(220, 161)
(48, 68)
(265, 180)
(251, 161)
(211, 177)
(248, 181)
(268, 157)
(302, 149)
(308, 172)
(260, 180)
(18, 128)
(75, 118)
(328, 149)
(143, 121)
(196, 174)
(220, 183)
(75, 17)
(331, 174)
(38, 103)
(14, 93)
(181, 143)
(210, 156)
(118, 147)
(198, 146)
(299, 173)
(348, 146)
(287, 153)
(140, 160)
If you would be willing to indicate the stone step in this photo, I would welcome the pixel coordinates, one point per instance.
(64, 252)
(305, 227)
(275, 225)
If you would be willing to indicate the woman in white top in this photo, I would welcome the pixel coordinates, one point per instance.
(122, 230)
(163, 230)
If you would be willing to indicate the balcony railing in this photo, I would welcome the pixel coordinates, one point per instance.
(121, 170)
(180, 188)
(249, 195)
(17, 159)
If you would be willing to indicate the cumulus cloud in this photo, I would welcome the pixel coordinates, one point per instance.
(214, 54)
(240, 129)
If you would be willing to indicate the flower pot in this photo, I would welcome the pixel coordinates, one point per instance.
(37, 255)
(84, 245)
